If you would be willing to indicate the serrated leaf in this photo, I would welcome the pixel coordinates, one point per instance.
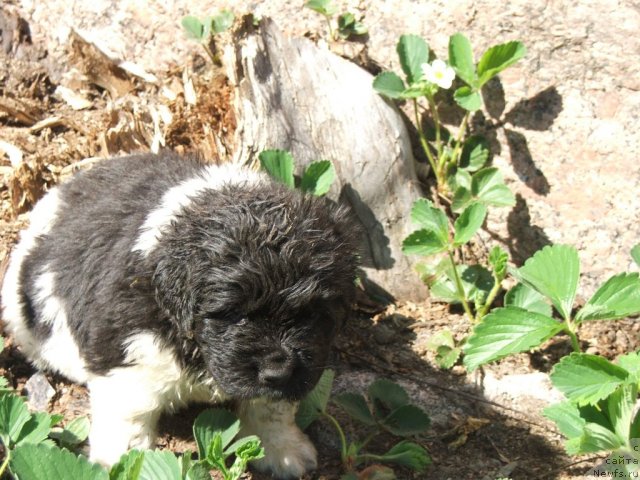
(13, 416)
(74, 433)
(413, 52)
(498, 259)
(631, 363)
(408, 454)
(439, 339)
(635, 254)
(618, 297)
(497, 58)
(406, 420)
(634, 429)
(461, 198)
(446, 357)
(193, 27)
(619, 408)
(476, 282)
(567, 418)
(318, 177)
(315, 402)
(423, 242)
(389, 84)
(36, 429)
(323, 7)
(42, 462)
(475, 154)
(505, 331)
(595, 438)
(468, 98)
(279, 165)
(248, 448)
(527, 298)
(212, 421)
(587, 379)
(386, 396)
(356, 406)
(198, 471)
(487, 186)
(554, 272)
(460, 179)
(128, 467)
(348, 25)
(468, 223)
(461, 59)
(160, 465)
(431, 218)
(222, 22)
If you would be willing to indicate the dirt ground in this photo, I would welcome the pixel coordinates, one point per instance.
(482, 427)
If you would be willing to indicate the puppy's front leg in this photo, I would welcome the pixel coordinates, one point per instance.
(288, 452)
(123, 416)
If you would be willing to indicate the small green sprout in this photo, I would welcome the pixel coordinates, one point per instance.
(347, 24)
(316, 178)
(204, 30)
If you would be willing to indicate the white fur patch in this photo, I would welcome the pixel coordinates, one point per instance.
(127, 402)
(212, 177)
(41, 220)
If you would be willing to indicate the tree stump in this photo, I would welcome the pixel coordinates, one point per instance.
(294, 95)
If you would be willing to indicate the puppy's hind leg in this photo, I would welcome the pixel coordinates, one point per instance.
(288, 452)
(123, 416)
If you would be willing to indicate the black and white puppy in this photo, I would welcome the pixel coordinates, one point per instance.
(158, 280)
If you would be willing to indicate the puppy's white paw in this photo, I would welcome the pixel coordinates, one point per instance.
(288, 455)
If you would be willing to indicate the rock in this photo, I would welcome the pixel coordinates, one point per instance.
(39, 392)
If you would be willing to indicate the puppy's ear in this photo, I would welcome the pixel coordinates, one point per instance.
(172, 280)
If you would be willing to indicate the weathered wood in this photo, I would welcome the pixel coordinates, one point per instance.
(292, 94)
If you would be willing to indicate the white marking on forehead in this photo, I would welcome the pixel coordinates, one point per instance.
(212, 177)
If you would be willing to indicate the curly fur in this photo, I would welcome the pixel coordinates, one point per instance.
(182, 281)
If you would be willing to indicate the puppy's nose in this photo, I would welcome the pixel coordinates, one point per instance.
(276, 369)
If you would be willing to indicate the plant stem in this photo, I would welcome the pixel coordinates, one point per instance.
(425, 144)
(5, 462)
(492, 296)
(368, 439)
(461, 132)
(343, 439)
(460, 288)
(568, 328)
(331, 32)
(436, 121)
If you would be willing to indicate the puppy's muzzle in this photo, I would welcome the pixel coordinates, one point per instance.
(277, 369)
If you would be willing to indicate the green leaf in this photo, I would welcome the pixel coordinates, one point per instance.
(356, 406)
(498, 259)
(1, 346)
(323, 7)
(461, 178)
(413, 51)
(468, 98)
(475, 154)
(36, 429)
(468, 223)
(74, 433)
(386, 396)
(567, 418)
(42, 462)
(461, 59)
(408, 454)
(554, 272)
(423, 242)
(595, 438)
(446, 357)
(631, 363)
(160, 465)
(315, 402)
(527, 298)
(497, 58)
(587, 379)
(212, 421)
(505, 331)
(13, 416)
(461, 198)
(389, 84)
(198, 471)
(487, 186)
(193, 27)
(429, 217)
(476, 283)
(247, 448)
(318, 177)
(443, 338)
(223, 21)
(278, 164)
(406, 420)
(618, 297)
(128, 467)
(348, 25)
(619, 408)
(634, 429)
(635, 254)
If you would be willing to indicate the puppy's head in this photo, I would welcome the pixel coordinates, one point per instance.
(261, 277)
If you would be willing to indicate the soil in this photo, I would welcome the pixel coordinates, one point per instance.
(484, 425)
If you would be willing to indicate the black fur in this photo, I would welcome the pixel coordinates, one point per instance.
(248, 284)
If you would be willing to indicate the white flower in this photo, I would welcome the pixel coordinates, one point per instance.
(438, 73)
